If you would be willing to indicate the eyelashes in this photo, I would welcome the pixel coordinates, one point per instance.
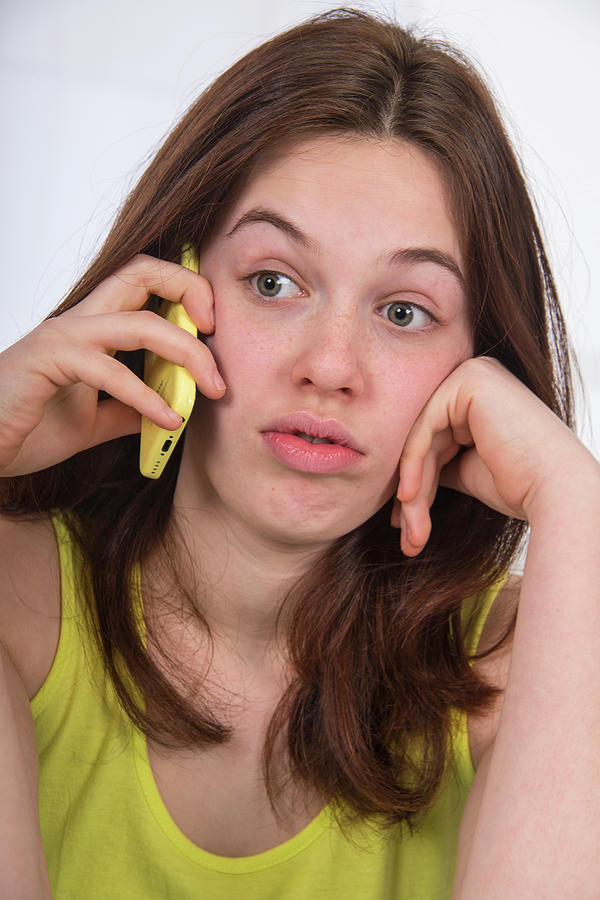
(403, 314)
(274, 285)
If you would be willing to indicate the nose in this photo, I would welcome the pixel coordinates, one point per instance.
(330, 357)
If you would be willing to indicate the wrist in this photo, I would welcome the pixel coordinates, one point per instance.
(571, 487)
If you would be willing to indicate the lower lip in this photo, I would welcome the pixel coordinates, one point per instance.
(322, 459)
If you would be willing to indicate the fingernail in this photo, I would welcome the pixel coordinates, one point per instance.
(219, 383)
(175, 418)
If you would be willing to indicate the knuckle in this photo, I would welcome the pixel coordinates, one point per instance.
(198, 302)
(196, 355)
(136, 263)
(199, 347)
(146, 317)
(138, 270)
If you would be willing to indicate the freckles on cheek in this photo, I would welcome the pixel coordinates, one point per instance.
(243, 356)
(404, 392)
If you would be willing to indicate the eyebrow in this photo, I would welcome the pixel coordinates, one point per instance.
(405, 255)
(414, 255)
(272, 218)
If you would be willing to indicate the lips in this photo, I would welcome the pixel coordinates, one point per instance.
(304, 442)
(314, 427)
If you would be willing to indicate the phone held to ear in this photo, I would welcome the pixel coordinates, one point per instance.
(174, 384)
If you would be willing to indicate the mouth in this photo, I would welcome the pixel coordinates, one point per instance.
(313, 429)
(313, 440)
(304, 442)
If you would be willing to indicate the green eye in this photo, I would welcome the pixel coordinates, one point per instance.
(400, 313)
(407, 315)
(268, 284)
(274, 284)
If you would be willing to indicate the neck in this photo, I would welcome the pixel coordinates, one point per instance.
(240, 579)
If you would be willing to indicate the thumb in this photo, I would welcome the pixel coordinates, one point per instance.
(114, 419)
(468, 474)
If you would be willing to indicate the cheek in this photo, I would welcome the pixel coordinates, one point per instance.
(404, 387)
(245, 354)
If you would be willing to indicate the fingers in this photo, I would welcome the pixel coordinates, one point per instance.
(412, 512)
(101, 371)
(118, 322)
(113, 420)
(433, 441)
(63, 340)
(436, 431)
(485, 413)
(55, 372)
(104, 373)
(470, 476)
(146, 330)
(130, 287)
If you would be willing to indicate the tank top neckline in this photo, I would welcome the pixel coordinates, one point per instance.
(163, 818)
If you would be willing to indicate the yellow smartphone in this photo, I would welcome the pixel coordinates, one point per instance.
(174, 384)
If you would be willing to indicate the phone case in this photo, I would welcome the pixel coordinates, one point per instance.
(174, 384)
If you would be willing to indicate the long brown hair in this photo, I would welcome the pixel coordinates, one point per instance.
(375, 639)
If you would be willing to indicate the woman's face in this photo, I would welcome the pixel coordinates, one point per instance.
(339, 309)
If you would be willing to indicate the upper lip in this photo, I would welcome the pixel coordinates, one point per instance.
(306, 422)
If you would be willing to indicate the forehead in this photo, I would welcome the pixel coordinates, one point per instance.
(356, 188)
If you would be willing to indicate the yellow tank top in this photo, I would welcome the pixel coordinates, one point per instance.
(108, 835)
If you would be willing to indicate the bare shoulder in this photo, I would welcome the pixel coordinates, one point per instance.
(29, 597)
(494, 667)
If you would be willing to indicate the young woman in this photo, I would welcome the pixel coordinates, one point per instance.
(241, 680)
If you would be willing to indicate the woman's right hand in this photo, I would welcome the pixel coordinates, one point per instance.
(50, 379)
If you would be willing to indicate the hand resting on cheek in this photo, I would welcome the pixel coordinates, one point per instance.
(485, 434)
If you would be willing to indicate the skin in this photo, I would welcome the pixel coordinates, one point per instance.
(329, 349)
(325, 345)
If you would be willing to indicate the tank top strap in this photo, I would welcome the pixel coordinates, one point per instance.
(474, 615)
(72, 617)
(70, 566)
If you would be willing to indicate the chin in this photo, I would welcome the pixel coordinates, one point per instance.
(313, 525)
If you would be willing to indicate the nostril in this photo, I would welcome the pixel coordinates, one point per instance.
(328, 364)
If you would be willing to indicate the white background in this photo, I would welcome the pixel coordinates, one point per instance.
(89, 89)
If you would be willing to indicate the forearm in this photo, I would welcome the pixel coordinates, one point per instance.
(23, 872)
(537, 828)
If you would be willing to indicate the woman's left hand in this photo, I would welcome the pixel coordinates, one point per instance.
(483, 433)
